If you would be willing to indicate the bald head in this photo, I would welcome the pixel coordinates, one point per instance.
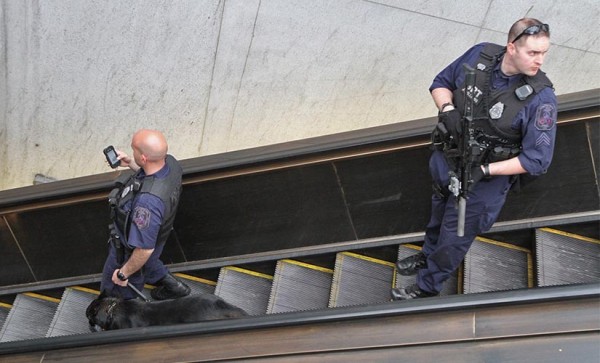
(150, 143)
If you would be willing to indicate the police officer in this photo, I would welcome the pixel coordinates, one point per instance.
(143, 208)
(515, 126)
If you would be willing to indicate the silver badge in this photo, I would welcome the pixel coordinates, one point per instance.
(481, 66)
(496, 111)
(126, 191)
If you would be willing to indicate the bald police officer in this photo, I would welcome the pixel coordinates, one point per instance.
(143, 208)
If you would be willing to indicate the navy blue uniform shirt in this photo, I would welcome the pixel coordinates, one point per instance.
(537, 120)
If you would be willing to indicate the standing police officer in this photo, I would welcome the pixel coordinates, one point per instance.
(515, 125)
(143, 208)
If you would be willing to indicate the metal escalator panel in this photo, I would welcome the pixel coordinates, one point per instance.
(29, 318)
(299, 286)
(359, 280)
(245, 289)
(70, 315)
(197, 285)
(494, 266)
(407, 250)
(565, 258)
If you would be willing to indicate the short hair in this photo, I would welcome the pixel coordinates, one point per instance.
(520, 25)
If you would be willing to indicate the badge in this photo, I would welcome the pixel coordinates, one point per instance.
(126, 191)
(481, 66)
(545, 116)
(496, 111)
(141, 217)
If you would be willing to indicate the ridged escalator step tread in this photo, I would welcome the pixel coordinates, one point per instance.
(246, 289)
(494, 266)
(360, 280)
(29, 317)
(70, 316)
(566, 258)
(299, 286)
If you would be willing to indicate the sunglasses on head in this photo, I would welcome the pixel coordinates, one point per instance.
(534, 29)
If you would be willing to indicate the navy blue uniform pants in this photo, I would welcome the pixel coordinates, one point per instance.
(443, 249)
(153, 271)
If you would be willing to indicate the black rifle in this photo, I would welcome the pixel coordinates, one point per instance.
(469, 152)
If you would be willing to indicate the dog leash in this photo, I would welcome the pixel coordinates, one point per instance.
(138, 292)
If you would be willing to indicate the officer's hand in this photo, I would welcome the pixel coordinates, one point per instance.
(476, 175)
(117, 281)
(452, 121)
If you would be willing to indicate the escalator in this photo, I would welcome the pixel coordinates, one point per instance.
(304, 237)
(361, 277)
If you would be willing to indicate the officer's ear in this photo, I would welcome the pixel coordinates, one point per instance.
(511, 48)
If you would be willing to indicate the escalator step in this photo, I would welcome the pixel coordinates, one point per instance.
(70, 315)
(4, 310)
(566, 258)
(246, 289)
(299, 286)
(197, 285)
(495, 266)
(406, 250)
(29, 317)
(359, 279)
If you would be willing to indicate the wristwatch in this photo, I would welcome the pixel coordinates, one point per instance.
(446, 105)
(120, 276)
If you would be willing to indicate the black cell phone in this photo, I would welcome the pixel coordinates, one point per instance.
(112, 157)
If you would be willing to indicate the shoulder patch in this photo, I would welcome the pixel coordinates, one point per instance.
(141, 217)
(545, 117)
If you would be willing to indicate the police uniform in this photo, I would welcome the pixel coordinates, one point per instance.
(507, 126)
(143, 209)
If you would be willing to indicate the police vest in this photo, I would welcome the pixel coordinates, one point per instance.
(168, 189)
(494, 111)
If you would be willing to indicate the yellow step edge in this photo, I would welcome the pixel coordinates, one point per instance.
(370, 259)
(502, 244)
(196, 279)
(411, 246)
(248, 272)
(42, 297)
(571, 235)
(85, 289)
(307, 265)
(5, 305)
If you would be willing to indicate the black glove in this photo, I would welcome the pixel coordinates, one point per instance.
(452, 121)
(476, 175)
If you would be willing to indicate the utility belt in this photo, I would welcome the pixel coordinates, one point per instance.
(490, 150)
(123, 251)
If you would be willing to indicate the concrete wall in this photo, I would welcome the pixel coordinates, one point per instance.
(217, 76)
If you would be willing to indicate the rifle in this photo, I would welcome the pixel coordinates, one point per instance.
(468, 152)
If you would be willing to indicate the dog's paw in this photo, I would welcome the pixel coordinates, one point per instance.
(95, 328)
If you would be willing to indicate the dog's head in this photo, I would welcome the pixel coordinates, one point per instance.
(100, 312)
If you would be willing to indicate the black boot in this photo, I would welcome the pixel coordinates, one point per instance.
(410, 292)
(169, 287)
(411, 264)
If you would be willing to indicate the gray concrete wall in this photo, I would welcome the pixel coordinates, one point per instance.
(218, 76)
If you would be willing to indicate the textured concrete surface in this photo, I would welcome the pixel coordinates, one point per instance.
(218, 76)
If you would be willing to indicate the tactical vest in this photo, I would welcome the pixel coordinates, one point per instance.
(168, 189)
(494, 111)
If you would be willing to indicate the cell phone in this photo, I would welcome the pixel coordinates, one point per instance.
(111, 156)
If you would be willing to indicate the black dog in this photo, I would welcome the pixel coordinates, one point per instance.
(108, 313)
